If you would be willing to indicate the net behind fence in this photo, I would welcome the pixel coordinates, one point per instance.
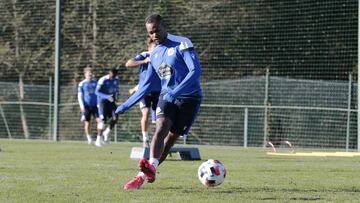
(308, 97)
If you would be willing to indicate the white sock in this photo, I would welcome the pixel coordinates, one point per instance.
(145, 136)
(98, 138)
(106, 131)
(154, 162)
(106, 134)
(141, 174)
(89, 138)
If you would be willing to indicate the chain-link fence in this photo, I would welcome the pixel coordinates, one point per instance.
(310, 49)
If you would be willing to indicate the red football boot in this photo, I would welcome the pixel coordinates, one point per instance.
(134, 183)
(148, 169)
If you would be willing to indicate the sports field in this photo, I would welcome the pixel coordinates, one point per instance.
(41, 171)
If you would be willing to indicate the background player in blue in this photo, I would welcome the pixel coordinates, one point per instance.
(174, 63)
(87, 101)
(149, 102)
(106, 90)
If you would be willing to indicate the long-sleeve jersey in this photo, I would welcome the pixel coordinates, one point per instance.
(175, 65)
(143, 68)
(106, 88)
(86, 93)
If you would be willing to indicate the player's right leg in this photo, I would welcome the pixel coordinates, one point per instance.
(87, 126)
(110, 108)
(86, 118)
(100, 129)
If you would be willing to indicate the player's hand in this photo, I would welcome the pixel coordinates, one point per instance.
(131, 91)
(82, 110)
(147, 60)
(111, 99)
(169, 97)
(119, 109)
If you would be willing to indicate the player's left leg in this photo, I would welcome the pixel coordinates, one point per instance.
(145, 125)
(169, 142)
(188, 110)
(135, 183)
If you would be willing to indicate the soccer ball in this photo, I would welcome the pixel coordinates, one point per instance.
(211, 173)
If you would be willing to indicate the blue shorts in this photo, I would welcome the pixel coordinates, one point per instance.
(151, 100)
(89, 111)
(182, 113)
(106, 110)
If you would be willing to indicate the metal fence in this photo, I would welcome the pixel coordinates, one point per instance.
(271, 70)
(243, 112)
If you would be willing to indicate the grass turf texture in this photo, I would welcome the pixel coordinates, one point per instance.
(41, 171)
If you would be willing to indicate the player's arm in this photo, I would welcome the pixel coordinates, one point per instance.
(116, 89)
(192, 62)
(132, 63)
(144, 89)
(138, 60)
(101, 94)
(81, 98)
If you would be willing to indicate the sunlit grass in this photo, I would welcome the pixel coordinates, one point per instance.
(41, 171)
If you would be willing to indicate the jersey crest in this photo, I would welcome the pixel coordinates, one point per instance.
(165, 70)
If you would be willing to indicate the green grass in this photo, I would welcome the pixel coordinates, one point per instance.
(41, 171)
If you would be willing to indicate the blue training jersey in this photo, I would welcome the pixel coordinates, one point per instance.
(175, 65)
(143, 68)
(86, 93)
(106, 88)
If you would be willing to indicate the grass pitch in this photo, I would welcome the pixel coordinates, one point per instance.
(41, 171)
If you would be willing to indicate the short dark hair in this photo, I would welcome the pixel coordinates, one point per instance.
(114, 70)
(154, 18)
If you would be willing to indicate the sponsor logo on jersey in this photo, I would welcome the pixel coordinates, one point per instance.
(171, 51)
(165, 70)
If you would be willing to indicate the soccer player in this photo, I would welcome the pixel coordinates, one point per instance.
(106, 90)
(149, 102)
(175, 65)
(88, 101)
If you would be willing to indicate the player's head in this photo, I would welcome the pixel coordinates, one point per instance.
(155, 28)
(88, 72)
(150, 44)
(113, 72)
